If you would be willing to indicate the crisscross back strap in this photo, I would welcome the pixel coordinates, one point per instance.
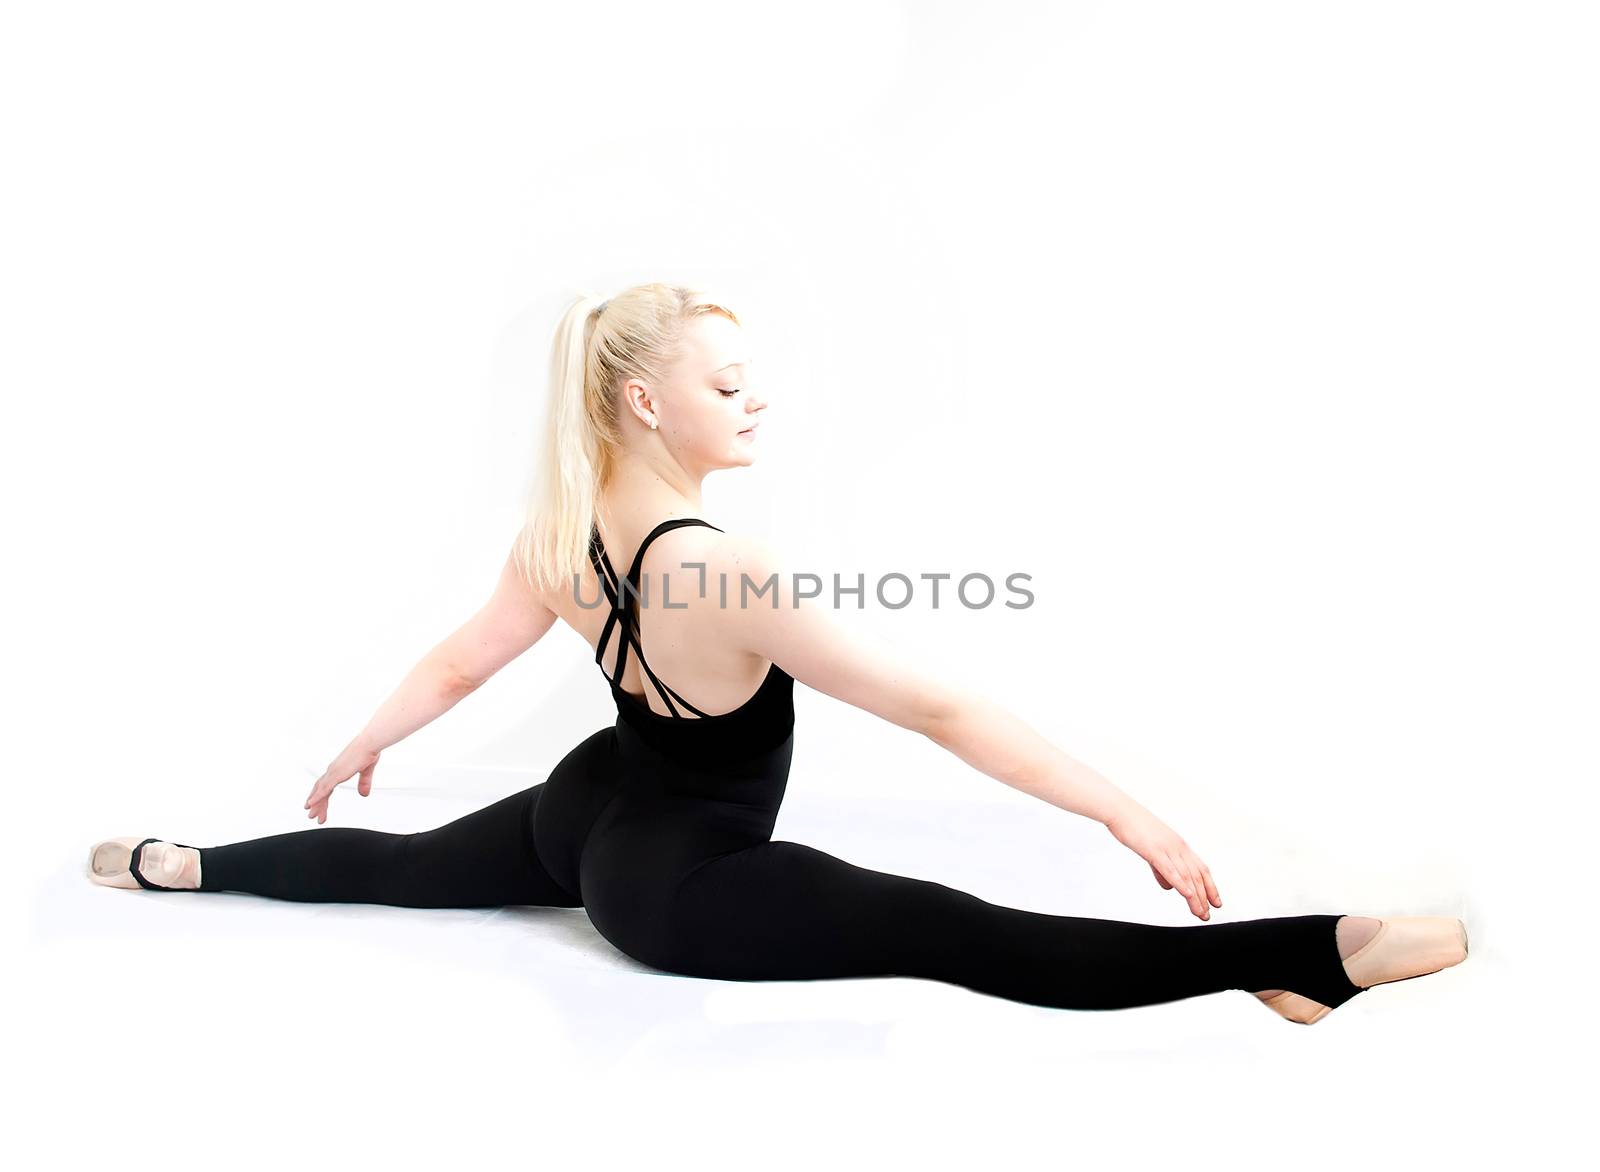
(623, 596)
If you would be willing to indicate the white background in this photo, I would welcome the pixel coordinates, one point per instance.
(1261, 335)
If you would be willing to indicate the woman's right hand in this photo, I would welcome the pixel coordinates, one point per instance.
(355, 759)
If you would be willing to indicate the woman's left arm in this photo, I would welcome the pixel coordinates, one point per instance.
(870, 673)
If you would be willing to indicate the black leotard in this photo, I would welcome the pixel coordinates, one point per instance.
(660, 827)
(762, 722)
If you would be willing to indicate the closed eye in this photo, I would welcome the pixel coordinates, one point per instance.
(729, 394)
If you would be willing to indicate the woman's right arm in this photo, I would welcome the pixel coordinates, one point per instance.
(429, 690)
(508, 624)
(804, 638)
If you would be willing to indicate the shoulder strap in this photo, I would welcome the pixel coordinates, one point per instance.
(609, 584)
(669, 524)
(623, 608)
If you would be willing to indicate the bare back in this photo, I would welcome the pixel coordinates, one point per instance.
(663, 616)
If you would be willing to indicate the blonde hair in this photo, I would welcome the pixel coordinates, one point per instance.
(598, 345)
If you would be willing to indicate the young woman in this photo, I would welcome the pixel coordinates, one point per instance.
(660, 826)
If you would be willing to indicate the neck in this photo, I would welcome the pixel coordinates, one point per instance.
(651, 486)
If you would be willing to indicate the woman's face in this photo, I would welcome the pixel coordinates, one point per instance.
(708, 412)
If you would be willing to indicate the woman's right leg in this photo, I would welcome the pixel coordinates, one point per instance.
(483, 859)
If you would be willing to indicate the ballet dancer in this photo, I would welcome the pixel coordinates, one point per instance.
(660, 825)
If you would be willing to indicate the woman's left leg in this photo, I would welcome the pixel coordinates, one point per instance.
(785, 911)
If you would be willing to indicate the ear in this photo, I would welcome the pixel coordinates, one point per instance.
(637, 396)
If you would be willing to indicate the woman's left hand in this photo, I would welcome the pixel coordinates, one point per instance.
(1171, 860)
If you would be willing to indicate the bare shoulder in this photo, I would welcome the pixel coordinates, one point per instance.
(742, 553)
(800, 631)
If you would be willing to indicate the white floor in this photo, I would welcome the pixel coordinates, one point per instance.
(321, 1033)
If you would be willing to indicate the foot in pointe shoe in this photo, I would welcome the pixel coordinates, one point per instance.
(145, 862)
(1380, 952)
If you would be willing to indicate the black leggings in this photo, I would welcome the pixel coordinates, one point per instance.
(680, 872)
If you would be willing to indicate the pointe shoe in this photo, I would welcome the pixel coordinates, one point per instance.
(1402, 948)
(1297, 1008)
(127, 863)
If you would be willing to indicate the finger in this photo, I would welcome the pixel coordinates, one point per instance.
(320, 791)
(1174, 876)
(364, 786)
(1202, 882)
(1197, 895)
(1197, 886)
(1190, 892)
(1211, 886)
(1179, 879)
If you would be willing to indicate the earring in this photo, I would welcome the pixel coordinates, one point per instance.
(652, 425)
